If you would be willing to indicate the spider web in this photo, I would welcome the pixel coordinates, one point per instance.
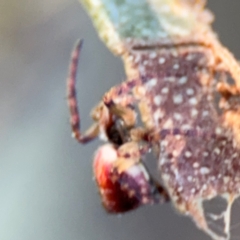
(214, 215)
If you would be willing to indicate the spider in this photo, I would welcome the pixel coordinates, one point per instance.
(196, 145)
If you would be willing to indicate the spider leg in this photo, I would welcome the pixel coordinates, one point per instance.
(93, 131)
(226, 61)
(227, 90)
(119, 100)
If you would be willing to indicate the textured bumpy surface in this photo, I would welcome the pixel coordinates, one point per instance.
(177, 77)
(178, 98)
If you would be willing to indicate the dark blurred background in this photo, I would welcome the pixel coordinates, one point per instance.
(46, 186)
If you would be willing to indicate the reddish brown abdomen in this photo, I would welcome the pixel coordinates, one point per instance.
(125, 191)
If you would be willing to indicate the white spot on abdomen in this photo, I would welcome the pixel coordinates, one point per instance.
(165, 90)
(193, 101)
(161, 60)
(152, 55)
(157, 100)
(190, 178)
(205, 154)
(151, 83)
(176, 66)
(217, 151)
(182, 80)
(204, 170)
(177, 116)
(188, 154)
(194, 112)
(205, 113)
(177, 99)
(189, 91)
(218, 130)
(196, 165)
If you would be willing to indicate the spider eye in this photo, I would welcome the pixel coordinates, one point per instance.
(124, 190)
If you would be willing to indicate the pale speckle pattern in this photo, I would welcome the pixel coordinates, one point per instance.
(153, 55)
(176, 66)
(180, 189)
(142, 69)
(193, 190)
(205, 154)
(134, 171)
(165, 90)
(183, 80)
(186, 127)
(189, 91)
(151, 83)
(235, 155)
(190, 178)
(161, 60)
(194, 112)
(157, 100)
(137, 58)
(190, 57)
(205, 113)
(177, 116)
(227, 161)
(196, 165)
(188, 154)
(170, 79)
(217, 151)
(218, 131)
(209, 98)
(177, 99)
(141, 90)
(164, 143)
(145, 62)
(163, 161)
(175, 153)
(130, 58)
(178, 137)
(193, 101)
(226, 180)
(204, 170)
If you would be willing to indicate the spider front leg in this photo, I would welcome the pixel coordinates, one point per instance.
(227, 90)
(229, 95)
(100, 113)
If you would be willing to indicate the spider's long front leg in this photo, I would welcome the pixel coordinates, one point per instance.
(93, 131)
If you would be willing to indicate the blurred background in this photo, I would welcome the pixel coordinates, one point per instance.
(46, 186)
